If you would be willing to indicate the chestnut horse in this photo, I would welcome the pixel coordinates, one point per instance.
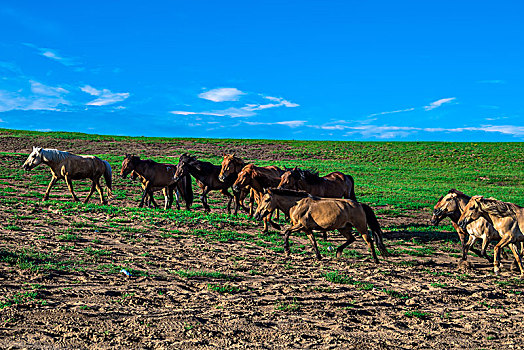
(285, 200)
(507, 219)
(259, 179)
(333, 185)
(68, 166)
(230, 167)
(452, 205)
(155, 176)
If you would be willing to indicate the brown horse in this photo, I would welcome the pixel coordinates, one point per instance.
(230, 167)
(68, 166)
(259, 179)
(155, 176)
(506, 218)
(285, 200)
(452, 205)
(333, 185)
(206, 176)
(328, 214)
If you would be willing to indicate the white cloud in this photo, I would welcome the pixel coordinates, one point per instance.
(41, 89)
(290, 123)
(391, 112)
(281, 103)
(438, 103)
(53, 55)
(105, 96)
(222, 94)
(13, 101)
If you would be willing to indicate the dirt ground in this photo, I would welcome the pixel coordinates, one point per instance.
(61, 284)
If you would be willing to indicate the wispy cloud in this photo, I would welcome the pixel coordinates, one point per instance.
(14, 101)
(391, 112)
(54, 55)
(290, 123)
(228, 112)
(390, 132)
(41, 89)
(280, 103)
(438, 103)
(493, 81)
(222, 94)
(105, 96)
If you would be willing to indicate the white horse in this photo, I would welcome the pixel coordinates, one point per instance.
(68, 166)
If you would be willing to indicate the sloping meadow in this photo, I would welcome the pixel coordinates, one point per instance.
(92, 275)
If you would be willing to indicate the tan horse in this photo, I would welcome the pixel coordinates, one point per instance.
(259, 179)
(506, 218)
(328, 214)
(323, 219)
(68, 166)
(452, 205)
(333, 185)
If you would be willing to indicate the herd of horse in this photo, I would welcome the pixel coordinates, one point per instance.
(309, 201)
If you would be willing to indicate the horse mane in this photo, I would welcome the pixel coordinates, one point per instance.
(200, 165)
(55, 155)
(310, 176)
(286, 192)
(459, 194)
(498, 208)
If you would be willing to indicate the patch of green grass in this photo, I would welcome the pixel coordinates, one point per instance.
(417, 314)
(341, 278)
(19, 298)
(439, 285)
(97, 252)
(13, 228)
(396, 294)
(201, 273)
(223, 288)
(287, 306)
(69, 237)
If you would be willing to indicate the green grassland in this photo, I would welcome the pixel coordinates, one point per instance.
(404, 175)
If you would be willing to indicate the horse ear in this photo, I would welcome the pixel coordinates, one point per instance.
(234, 154)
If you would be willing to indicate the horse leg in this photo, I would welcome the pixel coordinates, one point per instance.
(496, 252)
(346, 232)
(295, 228)
(364, 232)
(237, 196)
(144, 194)
(466, 246)
(203, 198)
(51, 184)
(152, 201)
(515, 249)
(311, 237)
(485, 242)
(100, 191)
(93, 186)
(70, 186)
(177, 199)
(226, 193)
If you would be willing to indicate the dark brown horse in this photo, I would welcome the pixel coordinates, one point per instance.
(206, 176)
(259, 179)
(333, 185)
(155, 176)
(230, 167)
(68, 166)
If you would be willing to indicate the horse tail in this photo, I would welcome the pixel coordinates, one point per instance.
(352, 189)
(186, 190)
(108, 178)
(375, 228)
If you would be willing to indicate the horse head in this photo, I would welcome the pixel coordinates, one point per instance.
(445, 206)
(230, 165)
(266, 206)
(128, 165)
(290, 179)
(34, 159)
(244, 179)
(472, 212)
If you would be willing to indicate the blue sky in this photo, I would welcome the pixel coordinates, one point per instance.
(338, 70)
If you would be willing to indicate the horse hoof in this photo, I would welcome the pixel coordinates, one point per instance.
(464, 264)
